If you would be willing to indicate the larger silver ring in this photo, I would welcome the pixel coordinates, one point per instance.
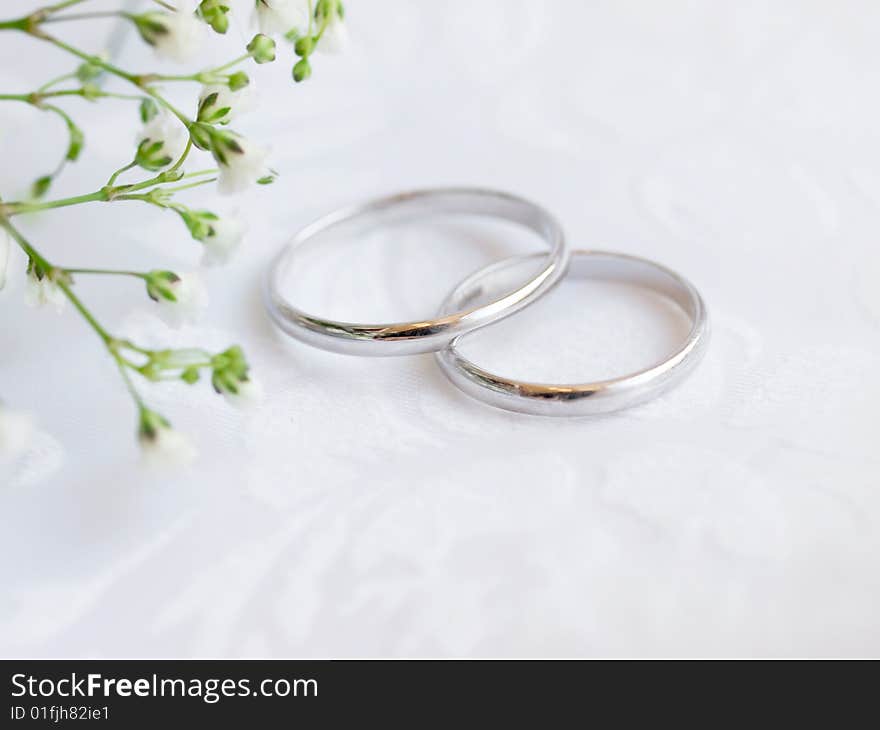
(405, 338)
(583, 398)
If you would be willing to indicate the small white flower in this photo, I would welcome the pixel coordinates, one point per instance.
(238, 102)
(241, 164)
(279, 16)
(223, 240)
(171, 137)
(162, 446)
(42, 291)
(250, 393)
(16, 429)
(176, 36)
(190, 301)
(335, 36)
(5, 246)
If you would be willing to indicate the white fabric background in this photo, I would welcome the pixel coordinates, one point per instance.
(369, 509)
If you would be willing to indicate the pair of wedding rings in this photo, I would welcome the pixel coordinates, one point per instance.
(460, 313)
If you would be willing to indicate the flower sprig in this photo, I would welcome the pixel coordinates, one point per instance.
(168, 137)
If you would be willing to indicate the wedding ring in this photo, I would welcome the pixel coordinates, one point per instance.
(585, 398)
(405, 338)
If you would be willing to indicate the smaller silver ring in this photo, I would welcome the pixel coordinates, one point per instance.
(584, 398)
(406, 338)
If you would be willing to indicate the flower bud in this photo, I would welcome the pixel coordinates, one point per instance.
(213, 12)
(41, 186)
(303, 46)
(91, 91)
(238, 81)
(76, 141)
(89, 71)
(148, 109)
(190, 375)
(160, 285)
(262, 48)
(301, 70)
(231, 378)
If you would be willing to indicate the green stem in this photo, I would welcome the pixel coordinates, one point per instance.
(208, 76)
(111, 343)
(91, 93)
(16, 208)
(62, 5)
(189, 185)
(25, 246)
(138, 81)
(57, 80)
(63, 285)
(18, 24)
(116, 174)
(89, 58)
(145, 197)
(87, 16)
(36, 98)
(107, 272)
(122, 364)
(185, 120)
(186, 150)
(225, 66)
(105, 194)
(211, 171)
(87, 315)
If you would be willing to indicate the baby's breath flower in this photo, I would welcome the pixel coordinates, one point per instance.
(248, 393)
(222, 241)
(161, 142)
(5, 246)
(180, 299)
(176, 35)
(221, 235)
(161, 445)
(276, 17)
(218, 104)
(41, 290)
(241, 162)
(16, 429)
(231, 378)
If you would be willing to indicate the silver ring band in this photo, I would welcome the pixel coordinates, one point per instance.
(405, 338)
(586, 398)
